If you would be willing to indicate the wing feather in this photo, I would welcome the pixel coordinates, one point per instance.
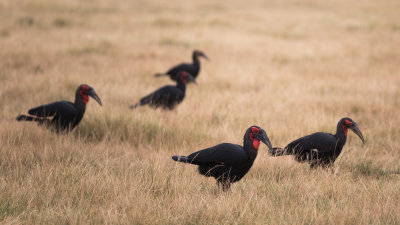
(323, 142)
(163, 94)
(63, 108)
(225, 153)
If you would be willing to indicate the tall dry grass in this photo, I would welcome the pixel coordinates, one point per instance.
(291, 67)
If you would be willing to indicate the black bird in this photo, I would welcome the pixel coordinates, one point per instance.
(168, 96)
(192, 68)
(320, 149)
(226, 162)
(65, 115)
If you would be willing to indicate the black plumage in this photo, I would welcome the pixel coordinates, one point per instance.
(226, 162)
(62, 115)
(320, 149)
(192, 68)
(168, 96)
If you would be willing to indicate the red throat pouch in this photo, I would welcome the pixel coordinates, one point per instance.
(344, 129)
(84, 96)
(256, 143)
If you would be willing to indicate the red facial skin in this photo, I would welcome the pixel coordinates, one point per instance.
(344, 126)
(183, 77)
(84, 96)
(256, 142)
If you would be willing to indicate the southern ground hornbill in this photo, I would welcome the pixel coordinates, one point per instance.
(192, 68)
(168, 96)
(320, 149)
(226, 162)
(62, 115)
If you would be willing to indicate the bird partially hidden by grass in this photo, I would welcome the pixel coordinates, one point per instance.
(228, 163)
(168, 96)
(192, 68)
(63, 115)
(320, 149)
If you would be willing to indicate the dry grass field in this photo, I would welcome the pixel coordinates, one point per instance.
(292, 67)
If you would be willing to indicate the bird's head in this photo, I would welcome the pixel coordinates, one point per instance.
(85, 91)
(348, 123)
(186, 77)
(198, 53)
(256, 134)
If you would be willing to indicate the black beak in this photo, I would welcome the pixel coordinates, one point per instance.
(93, 94)
(357, 131)
(262, 136)
(203, 55)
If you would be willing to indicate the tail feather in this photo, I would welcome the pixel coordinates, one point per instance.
(31, 118)
(134, 106)
(278, 152)
(180, 158)
(145, 100)
(160, 74)
(25, 118)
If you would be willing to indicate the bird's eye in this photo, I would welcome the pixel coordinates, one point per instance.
(84, 88)
(348, 122)
(255, 130)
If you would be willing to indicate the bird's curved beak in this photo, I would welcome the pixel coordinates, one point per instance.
(357, 131)
(204, 55)
(93, 94)
(262, 136)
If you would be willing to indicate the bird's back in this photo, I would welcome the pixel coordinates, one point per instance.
(166, 96)
(187, 67)
(65, 114)
(318, 145)
(60, 109)
(223, 161)
(225, 153)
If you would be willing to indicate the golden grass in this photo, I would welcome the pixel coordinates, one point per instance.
(292, 67)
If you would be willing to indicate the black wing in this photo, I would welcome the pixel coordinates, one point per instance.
(225, 153)
(188, 67)
(62, 108)
(163, 94)
(323, 142)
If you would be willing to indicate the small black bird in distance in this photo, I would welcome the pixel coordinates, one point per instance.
(320, 149)
(192, 68)
(226, 162)
(168, 96)
(62, 115)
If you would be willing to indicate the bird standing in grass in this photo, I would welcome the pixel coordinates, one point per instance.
(226, 162)
(168, 96)
(320, 149)
(192, 68)
(62, 115)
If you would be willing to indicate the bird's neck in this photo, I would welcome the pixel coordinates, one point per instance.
(80, 102)
(181, 85)
(196, 60)
(249, 148)
(341, 134)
